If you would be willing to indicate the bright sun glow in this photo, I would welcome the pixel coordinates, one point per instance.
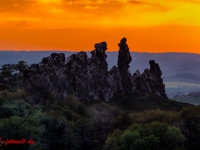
(163, 25)
(50, 1)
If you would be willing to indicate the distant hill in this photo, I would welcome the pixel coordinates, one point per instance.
(182, 84)
(171, 64)
(184, 77)
(12, 57)
(178, 63)
(192, 98)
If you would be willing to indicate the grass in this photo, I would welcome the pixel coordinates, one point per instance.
(144, 101)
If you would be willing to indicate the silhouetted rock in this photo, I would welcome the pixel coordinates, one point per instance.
(97, 72)
(124, 57)
(54, 59)
(76, 77)
(150, 80)
(88, 78)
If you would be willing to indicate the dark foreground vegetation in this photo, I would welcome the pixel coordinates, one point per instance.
(142, 122)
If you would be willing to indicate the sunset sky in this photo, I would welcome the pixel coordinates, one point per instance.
(148, 25)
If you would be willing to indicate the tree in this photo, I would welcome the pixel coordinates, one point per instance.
(113, 141)
(57, 135)
(6, 71)
(18, 128)
(21, 66)
(191, 130)
(81, 110)
(52, 97)
(153, 136)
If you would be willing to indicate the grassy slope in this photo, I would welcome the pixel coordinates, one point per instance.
(141, 102)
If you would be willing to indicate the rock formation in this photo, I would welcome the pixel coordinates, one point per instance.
(124, 57)
(88, 78)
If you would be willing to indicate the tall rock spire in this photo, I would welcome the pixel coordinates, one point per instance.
(124, 57)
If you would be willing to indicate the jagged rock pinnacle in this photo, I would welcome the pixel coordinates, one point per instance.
(99, 53)
(124, 57)
(54, 59)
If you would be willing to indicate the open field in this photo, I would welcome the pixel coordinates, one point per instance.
(181, 85)
(192, 98)
(180, 88)
(183, 92)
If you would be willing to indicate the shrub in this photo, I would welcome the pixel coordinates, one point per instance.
(191, 126)
(81, 110)
(15, 107)
(16, 94)
(123, 121)
(2, 99)
(72, 102)
(52, 97)
(18, 128)
(69, 115)
(149, 116)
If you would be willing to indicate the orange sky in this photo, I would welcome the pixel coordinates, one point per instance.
(148, 25)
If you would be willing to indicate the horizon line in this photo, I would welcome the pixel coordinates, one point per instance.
(110, 51)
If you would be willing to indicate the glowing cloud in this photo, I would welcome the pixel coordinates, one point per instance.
(90, 7)
(102, 16)
(50, 1)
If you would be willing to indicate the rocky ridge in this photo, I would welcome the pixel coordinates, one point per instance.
(88, 78)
